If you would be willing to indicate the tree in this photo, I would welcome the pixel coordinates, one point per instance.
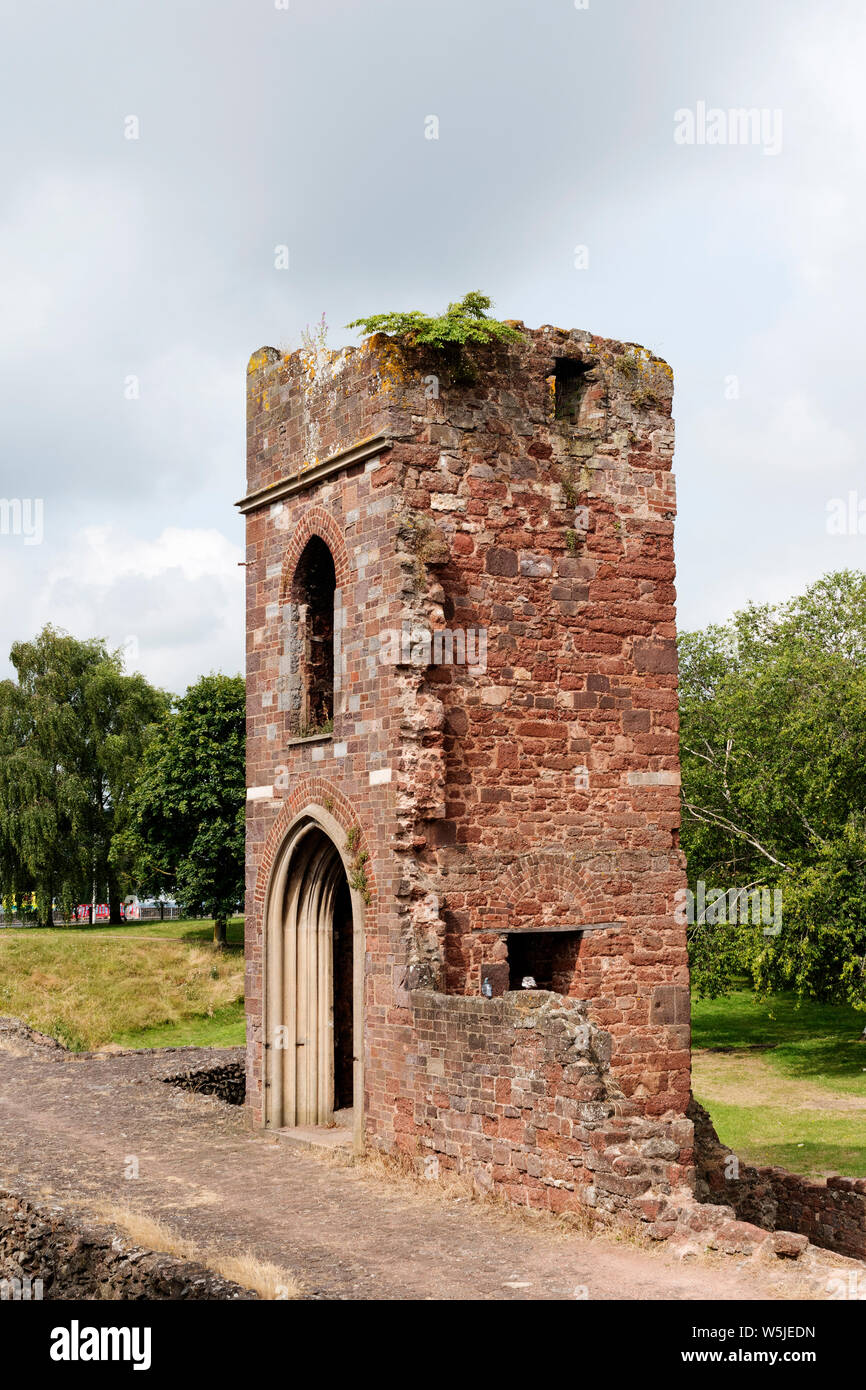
(462, 323)
(72, 733)
(773, 743)
(186, 831)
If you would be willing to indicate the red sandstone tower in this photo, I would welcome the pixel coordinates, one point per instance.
(462, 763)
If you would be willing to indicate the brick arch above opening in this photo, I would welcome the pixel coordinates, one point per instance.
(315, 521)
(549, 888)
(311, 791)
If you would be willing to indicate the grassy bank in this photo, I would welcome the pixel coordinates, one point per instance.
(144, 984)
(785, 1084)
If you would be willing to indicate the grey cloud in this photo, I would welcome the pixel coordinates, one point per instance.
(155, 257)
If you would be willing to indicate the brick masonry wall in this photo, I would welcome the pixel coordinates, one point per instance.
(559, 761)
(298, 416)
(540, 786)
(517, 1093)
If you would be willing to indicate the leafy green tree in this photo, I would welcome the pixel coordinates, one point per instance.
(73, 729)
(821, 951)
(773, 744)
(187, 825)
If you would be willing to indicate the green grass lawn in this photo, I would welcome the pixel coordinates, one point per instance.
(225, 1027)
(143, 984)
(188, 929)
(784, 1083)
(816, 1042)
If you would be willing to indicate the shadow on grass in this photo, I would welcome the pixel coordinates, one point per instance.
(810, 1160)
(204, 932)
(833, 1141)
(224, 1027)
(831, 1057)
(183, 930)
(805, 1037)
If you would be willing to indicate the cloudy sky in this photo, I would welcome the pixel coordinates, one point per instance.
(137, 274)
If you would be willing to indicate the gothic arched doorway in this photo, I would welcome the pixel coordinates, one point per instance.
(313, 955)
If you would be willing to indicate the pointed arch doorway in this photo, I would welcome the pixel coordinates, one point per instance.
(314, 972)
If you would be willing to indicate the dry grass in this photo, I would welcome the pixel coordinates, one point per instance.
(268, 1280)
(85, 991)
(395, 1171)
(738, 1077)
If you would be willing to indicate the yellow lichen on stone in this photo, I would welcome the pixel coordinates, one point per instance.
(393, 374)
(259, 360)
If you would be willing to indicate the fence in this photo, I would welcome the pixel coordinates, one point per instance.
(80, 917)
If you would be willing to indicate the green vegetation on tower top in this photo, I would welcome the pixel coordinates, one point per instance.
(462, 323)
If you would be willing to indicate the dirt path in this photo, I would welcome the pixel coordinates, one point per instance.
(72, 1127)
(737, 1077)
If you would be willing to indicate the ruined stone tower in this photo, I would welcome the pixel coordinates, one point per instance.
(462, 763)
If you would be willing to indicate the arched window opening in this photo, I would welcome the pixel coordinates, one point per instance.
(313, 593)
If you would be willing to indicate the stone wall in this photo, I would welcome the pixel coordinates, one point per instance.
(227, 1081)
(517, 1093)
(74, 1260)
(560, 760)
(301, 411)
(830, 1214)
